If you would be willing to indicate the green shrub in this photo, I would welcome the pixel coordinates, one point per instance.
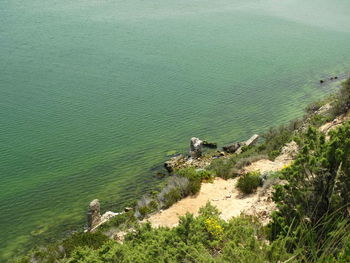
(230, 168)
(172, 197)
(248, 183)
(313, 207)
(195, 177)
(145, 206)
(342, 103)
(88, 239)
(245, 161)
(223, 168)
(122, 221)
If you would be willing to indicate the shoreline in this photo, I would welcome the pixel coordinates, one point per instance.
(328, 95)
(204, 161)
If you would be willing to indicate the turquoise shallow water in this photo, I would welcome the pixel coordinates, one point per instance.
(94, 93)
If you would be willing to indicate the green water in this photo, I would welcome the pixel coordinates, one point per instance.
(93, 93)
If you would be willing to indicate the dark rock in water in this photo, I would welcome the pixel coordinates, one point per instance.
(196, 147)
(321, 81)
(335, 77)
(331, 78)
(174, 162)
(232, 148)
(93, 215)
(211, 145)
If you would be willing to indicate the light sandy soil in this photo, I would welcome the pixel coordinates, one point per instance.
(224, 195)
(221, 193)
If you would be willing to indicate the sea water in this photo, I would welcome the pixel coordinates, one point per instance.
(94, 93)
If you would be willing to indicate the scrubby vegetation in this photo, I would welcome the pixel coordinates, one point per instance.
(185, 182)
(315, 203)
(249, 182)
(342, 100)
(311, 223)
(230, 168)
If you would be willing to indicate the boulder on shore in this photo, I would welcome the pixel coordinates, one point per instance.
(232, 148)
(94, 215)
(174, 162)
(211, 145)
(196, 147)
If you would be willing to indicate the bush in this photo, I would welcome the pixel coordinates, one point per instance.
(249, 160)
(276, 138)
(249, 182)
(230, 168)
(120, 222)
(146, 206)
(342, 103)
(171, 197)
(88, 239)
(313, 206)
(176, 188)
(224, 168)
(195, 177)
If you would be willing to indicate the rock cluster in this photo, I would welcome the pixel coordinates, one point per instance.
(238, 146)
(198, 160)
(94, 218)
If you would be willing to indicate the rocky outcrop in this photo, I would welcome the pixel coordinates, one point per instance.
(94, 215)
(174, 163)
(196, 147)
(211, 145)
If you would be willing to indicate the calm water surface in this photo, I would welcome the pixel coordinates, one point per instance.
(93, 93)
